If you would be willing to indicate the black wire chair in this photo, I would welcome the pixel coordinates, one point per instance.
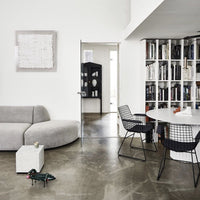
(134, 124)
(181, 140)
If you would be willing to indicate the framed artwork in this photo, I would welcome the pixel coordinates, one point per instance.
(36, 51)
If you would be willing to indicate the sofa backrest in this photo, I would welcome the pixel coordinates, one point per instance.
(16, 114)
(23, 114)
(40, 114)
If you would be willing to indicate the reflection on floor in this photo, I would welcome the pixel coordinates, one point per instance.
(95, 172)
(97, 125)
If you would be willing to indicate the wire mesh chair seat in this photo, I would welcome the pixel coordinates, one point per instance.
(141, 128)
(132, 125)
(179, 146)
(181, 140)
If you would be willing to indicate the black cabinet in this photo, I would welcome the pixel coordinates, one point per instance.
(91, 81)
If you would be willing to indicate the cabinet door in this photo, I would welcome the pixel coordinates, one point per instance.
(84, 80)
(95, 81)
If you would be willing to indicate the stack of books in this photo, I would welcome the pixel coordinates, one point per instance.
(150, 71)
(198, 90)
(175, 51)
(150, 50)
(162, 94)
(163, 71)
(189, 51)
(187, 89)
(176, 72)
(150, 92)
(164, 51)
(176, 92)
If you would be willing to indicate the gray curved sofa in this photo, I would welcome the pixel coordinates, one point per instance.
(24, 125)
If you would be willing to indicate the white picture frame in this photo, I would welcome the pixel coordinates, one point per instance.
(36, 51)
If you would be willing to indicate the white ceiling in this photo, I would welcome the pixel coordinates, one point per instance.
(172, 19)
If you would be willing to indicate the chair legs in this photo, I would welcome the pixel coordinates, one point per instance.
(125, 137)
(197, 179)
(162, 164)
(155, 148)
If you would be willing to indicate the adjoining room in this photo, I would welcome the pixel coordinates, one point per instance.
(99, 75)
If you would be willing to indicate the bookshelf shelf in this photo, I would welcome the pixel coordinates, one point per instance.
(176, 60)
(161, 60)
(172, 70)
(150, 60)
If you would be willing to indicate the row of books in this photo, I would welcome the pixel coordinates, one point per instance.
(162, 105)
(150, 50)
(189, 51)
(150, 92)
(198, 92)
(176, 92)
(162, 94)
(187, 90)
(198, 51)
(163, 71)
(150, 71)
(175, 72)
(164, 51)
(175, 51)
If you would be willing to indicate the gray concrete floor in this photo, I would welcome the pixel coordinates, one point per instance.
(97, 125)
(94, 172)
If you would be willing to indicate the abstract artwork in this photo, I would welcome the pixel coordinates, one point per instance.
(36, 51)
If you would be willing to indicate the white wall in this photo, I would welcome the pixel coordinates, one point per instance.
(73, 20)
(139, 11)
(101, 55)
(131, 75)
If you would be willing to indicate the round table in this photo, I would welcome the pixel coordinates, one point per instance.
(167, 115)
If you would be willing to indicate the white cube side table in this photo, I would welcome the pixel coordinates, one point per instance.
(28, 157)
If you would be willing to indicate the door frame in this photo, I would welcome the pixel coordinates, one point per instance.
(118, 77)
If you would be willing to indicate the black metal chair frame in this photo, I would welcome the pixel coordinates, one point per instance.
(182, 141)
(131, 122)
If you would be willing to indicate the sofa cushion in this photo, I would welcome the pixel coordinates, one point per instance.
(12, 135)
(40, 114)
(52, 133)
(16, 114)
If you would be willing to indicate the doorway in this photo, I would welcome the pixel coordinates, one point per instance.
(95, 124)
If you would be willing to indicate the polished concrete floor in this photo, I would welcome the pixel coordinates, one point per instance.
(94, 172)
(97, 125)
